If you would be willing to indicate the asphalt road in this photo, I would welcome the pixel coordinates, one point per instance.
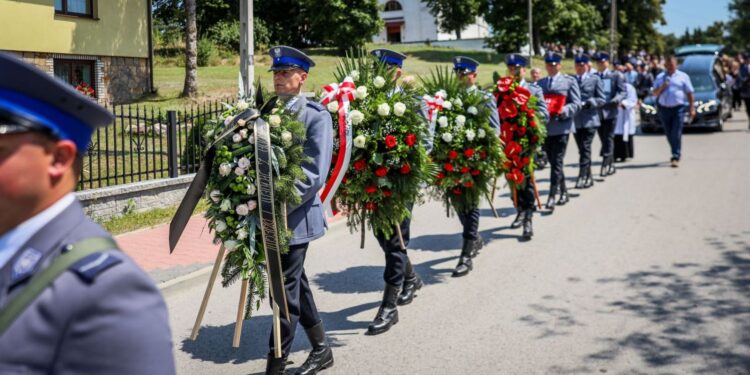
(645, 273)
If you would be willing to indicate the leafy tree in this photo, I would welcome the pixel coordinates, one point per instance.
(636, 23)
(454, 16)
(739, 25)
(344, 24)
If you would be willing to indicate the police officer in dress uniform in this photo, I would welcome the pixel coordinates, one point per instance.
(587, 120)
(401, 281)
(516, 65)
(560, 124)
(70, 301)
(466, 70)
(614, 92)
(290, 68)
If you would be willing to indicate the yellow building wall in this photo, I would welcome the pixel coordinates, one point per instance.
(119, 28)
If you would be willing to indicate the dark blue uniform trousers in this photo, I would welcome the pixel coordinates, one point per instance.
(470, 221)
(395, 256)
(299, 298)
(555, 146)
(584, 137)
(607, 136)
(525, 196)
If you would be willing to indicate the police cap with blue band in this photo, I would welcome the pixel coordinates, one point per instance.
(389, 57)
(601, 56)
(516, 60)
(552, 58)
(34, 101)
(582, 58)
(286, 58)
(465, 64)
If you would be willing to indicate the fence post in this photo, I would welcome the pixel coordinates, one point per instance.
(172, 143)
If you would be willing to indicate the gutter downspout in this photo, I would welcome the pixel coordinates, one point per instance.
(150, 48)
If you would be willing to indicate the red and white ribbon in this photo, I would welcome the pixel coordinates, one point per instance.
(342, 93)
(434, 104)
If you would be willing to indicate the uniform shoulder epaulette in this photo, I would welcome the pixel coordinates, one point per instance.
(316, 106)
(90, 267)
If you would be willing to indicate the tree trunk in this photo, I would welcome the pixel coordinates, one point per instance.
(190, 89)
(458, 34)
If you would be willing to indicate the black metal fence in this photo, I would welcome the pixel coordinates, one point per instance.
(146, 143)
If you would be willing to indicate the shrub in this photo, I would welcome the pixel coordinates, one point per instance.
(206, 52)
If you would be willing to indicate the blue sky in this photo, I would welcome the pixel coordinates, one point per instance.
(681, 14)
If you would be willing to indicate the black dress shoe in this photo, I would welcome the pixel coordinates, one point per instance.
(589, 181)
(518, 221)
(528, 231)
(580, 180)
(465, 265)
(275, 366)
(321, 356)
(550, 203)
(387, 315)
(611, 169)
(564, 198)
(412, 283)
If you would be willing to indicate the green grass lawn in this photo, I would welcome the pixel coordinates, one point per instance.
(221, 82)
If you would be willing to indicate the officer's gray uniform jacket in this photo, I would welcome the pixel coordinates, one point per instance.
(592, 97)
(541, 105)
(743, 81)
(614, 93)
(307, 220)
(103, 316)
(492, 105)
(562, 84)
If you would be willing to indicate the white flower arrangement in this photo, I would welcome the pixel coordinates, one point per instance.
(378, 82)
(230, 245)
(225, 169)
(447, 137)
(286, 137)
(242, 105)
(481, 133)
(384, 109)
(226, 204)
(458, 103)
(243, 163)
(274, 120)
(252, 205)
(236, 138)
(472, 111)
(354, 74)
(228, 120)
(241, 209)
(443, 121)
(220, 226)
(460, 120)
(356, 117)
(251, 189)
(215, 196)
(361, 92)
(333, 106)
(399, 109)
(469, 135)
(447, 104)
(241, 234)
(239, 171)
(360, 141)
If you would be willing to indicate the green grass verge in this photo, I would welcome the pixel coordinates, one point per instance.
(138, 220)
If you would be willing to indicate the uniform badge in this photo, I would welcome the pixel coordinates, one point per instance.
(377, 53)
(277, 52)
(25, 264)
(458, 60)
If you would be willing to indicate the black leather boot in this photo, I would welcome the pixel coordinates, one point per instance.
(412, 283)
(387, 314)
(464, 261)
(603, 171)
(550, 203)
(528, 231)
(589, 179)
(321, 356)
(518, 221)
(476, 245)
(275, 366)
(611, 166)
(581, 178)
(564, 198)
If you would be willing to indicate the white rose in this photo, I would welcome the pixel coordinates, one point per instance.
(361, 92)
(460, 120)
(230, 245)
(447, 105)
(251, 139)
(378, 82)
(251, 205)
(286, 137)
(241, 234)
(274, 120)
(399, 109)
(443, 121)
(220, 226)
(481, 133)
(472, 110)
(228, 120)
(356, 117)
(333, 106)
(236, 138)
(251, 189)
(242, 105)
(215, 196)
(470, 135)
(225, 205)
(225, 169)
(458, 103)
(239, 171)
(242, 209)
(244, 133)
(244, 163)
(384, 109)
(360, 141)
(354, 74)
(447, 137)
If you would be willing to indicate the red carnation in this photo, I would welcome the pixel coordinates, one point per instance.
(475, 172)
(503, 85)
(465, 170)
(381, 171)
(440, 176)
(534, 139)
(387, 193)
(507, 109)
(521, 131)
(532, 123)
(521, 95)
(525, 161)
(469, 184)
(512, 149)
(469, 152)
(370, 206)
(515, 176)
(457, 191)
(482, 154)
(406, 168)
(371, 189)
(448, 167)
(411, 139)
(390, 141)
(452, 154)
(360, 165)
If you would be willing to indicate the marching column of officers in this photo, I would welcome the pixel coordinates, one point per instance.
(71, 303)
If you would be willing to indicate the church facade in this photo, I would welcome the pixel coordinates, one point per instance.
(410, 21)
